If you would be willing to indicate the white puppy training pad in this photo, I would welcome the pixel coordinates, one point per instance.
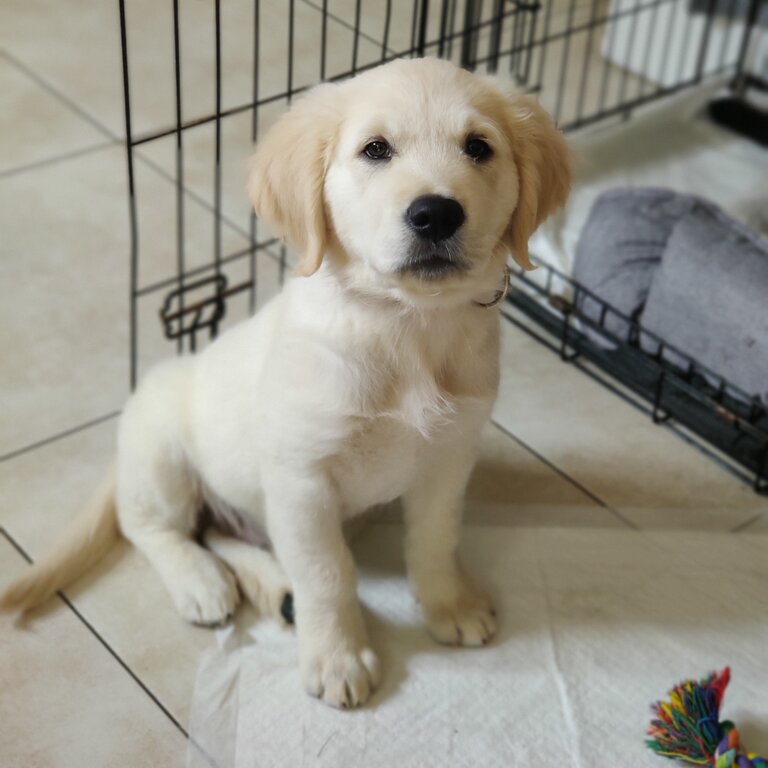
(594, 626)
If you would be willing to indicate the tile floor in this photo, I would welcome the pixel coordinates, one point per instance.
(105, 677)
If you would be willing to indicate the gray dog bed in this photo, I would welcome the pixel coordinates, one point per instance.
(687, 272)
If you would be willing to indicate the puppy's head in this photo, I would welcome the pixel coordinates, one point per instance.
(414, 179)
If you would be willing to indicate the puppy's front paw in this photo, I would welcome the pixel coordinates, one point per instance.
(343, 674)
(463, 616)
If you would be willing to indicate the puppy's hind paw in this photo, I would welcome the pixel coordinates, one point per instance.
(208, 596)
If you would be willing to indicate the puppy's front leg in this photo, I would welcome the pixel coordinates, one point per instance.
(337, 663)
(456, 611)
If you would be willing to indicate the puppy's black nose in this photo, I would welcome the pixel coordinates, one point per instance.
(434, 218)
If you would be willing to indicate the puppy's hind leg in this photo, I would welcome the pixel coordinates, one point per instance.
(160, 524)
(259, 575)
(158, 502)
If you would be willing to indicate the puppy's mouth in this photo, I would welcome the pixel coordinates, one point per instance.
(435, 263)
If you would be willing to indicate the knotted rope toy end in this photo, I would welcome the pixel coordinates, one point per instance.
(688, 728)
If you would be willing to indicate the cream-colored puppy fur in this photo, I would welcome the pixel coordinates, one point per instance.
(363, 381)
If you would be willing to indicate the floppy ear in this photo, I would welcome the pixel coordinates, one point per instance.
(287, 174)
(543, 167)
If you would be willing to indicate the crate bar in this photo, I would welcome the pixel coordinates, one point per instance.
(323, 39)
(289, 93)
(727, 37)
(704, 47)
(180, 267)
(253, 231)
(522, 51)
(442, 39)
(564, 63)
(739, 85)
(684, 49)
(587, 56)
(423, 18)
(630, 49)
(217, 238)
(517, 34)
(387, 22)
(649, 47)
(667, 45)
(132, 213)
(535, 8)
(414, 26)
(356, 37)
(472, 15)
(451, 27)
(291, 20)
(495, 42)
(612, 20)
(543, 43)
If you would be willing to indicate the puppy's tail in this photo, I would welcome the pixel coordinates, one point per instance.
(90, 536)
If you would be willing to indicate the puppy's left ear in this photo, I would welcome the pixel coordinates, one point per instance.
(287, 174)
(543, 167)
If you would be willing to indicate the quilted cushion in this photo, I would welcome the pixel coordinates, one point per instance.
(709, 297)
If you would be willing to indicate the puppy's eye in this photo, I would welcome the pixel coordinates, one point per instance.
(478, 149)
(378, 150)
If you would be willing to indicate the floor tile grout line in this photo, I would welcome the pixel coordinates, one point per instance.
(564, 474)
(59, 96)
(59, 436)
(742, 527)
(98, 637)
(55, 159)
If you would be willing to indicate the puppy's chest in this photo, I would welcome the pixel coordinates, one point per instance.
(386, 449)
(378, 462)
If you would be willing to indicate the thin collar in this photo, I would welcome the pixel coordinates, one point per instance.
(500, 295)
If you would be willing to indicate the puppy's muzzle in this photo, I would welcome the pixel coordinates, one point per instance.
(435, 252)
(434, 218)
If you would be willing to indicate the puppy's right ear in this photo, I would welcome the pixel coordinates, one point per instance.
(287, 174)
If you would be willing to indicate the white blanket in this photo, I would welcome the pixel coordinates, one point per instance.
(594, 625)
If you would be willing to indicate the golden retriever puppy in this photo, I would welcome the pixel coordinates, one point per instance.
(367, 379)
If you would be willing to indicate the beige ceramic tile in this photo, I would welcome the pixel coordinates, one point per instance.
(34, 125)
(67, 702)
(645, 471)
(510, 486)
(73, 46)
(64, 274)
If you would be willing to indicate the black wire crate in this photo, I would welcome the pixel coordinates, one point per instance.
(676, 386)
(202, 81)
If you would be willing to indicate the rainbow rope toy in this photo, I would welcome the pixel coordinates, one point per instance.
(688, 727)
